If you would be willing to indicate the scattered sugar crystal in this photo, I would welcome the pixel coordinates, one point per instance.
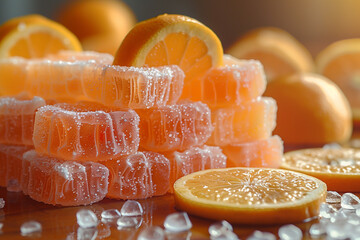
(178, 235)
(1, 226)
(111, 214)
(333, 197)
(259, 235)
(152, 233)
(332, 146)
(358, 211)
(225, 235)
(129, 222)
(218, 228)
(354, 233)
(131, 208)
(86, 218)
(290, 232)
(103, 230)
(177, 222)
(338, 216)
(338, 230)
(30, 227)
(87, 233)
(353, 219)
(2, 203)
(350, 201)
(317, 229)
(326, 210)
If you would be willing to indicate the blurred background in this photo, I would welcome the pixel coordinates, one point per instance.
(314, 23)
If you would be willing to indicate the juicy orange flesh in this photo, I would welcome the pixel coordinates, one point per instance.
(326, 160)
(190, 53)
(254, 186)
(37, 45)
(344, 71)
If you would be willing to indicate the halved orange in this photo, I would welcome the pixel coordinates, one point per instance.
(276, 49)
(34, 36)
(171, 39)
(250, 195)
(339, 168)
(340, 62)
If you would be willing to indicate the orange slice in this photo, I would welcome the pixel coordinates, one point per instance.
(276, 49)
(250, 195)
(340, 62)
(171, 39)
(33, 36)
(338, 168)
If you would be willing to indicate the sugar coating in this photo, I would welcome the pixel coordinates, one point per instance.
(248, 122)
(192, 160)
(175, 127)
(11, 158)
(83, 132)
(17, 119)
(91, 78)
(87, 56)
(65, 183)
(138, 176)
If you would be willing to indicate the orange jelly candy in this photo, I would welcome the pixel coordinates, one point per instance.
(85, 131)
(261, 153)
(175, 127)
(192, 160)
(17, 119)
(65, 183)
(248, 122)
(230, 85)
(11, 166)
(138, 176)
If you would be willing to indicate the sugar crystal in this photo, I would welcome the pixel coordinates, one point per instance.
(86, 218)
(226, 235)
(177, 222)
(30, 227)
(317, 229)
(2, 203)
(326, 210)
(152, 233)
(290, 232)
(111, 214)
(218, 228)
(350, 201)
(87, 233)
(333, 197)
(129, 222)
(259, 235)
(338, 230)
(131, 208)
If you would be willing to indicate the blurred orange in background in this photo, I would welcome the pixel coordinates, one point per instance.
(100, 25)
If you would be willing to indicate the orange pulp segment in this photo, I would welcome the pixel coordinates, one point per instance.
(338, 168)
(340, 62)
(85, 131)
(174, 127)
(33, 36)
(248, 122)
(261, 153)
(171, 39)
(192, 160)
(256, 196)
(138, 176)
(67, 183)
(276, 49)
(17, 119)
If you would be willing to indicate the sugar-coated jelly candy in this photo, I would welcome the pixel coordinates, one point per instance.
(175, 127)
(17, 119)
(85, 131)
(65, 183)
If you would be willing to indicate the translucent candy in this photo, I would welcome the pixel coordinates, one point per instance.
(317, 229)
(86, 218)
(261, 153)
(17, 119)
(63, 78)
(132, 208)
(111, 214)
(350, 201)
(290, 232)
(87, 233)
(66, 183)
(326, 210)
(152, 233)
(333, 197)
(230, 85)
(258, 235)
(2, 203)
(138, 176)
(192, 160)
(11, 158)
(129, 222)
(248, 122)
(85, 131)
(175, 127)
(177, 222)
(30, 227)
(217, 228)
